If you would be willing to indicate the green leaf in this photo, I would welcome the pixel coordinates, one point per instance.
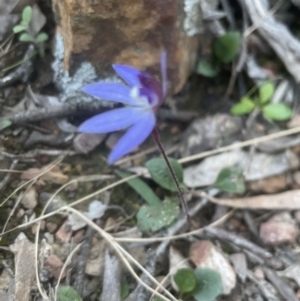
(277, 111)
(157, 299)
(67, 293)
(42, 37)
(27, 15)
(185, 280)
(142, 189)
(4, 124)
(208, 286)
(266, 91)
(231, 180)
(245, 106)
(205, 68)
(25, 37)
(19, 28)
(153, 218)
(227, 46)
(161, 175)
(124, 290)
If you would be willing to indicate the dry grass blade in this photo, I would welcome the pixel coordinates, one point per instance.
(179, 236)
(289, 200)
(165, 279)
(241, 144)
(110, 186)
(68, 260)
(82, 179)
(57, 161)
(123, 254)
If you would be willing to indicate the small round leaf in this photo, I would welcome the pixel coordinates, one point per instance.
(19, 28)
(27, 15)
(25, 37)
(42, 37)
(277, 111)
(227, 46)
(266, 91)
(125, 289)
(231, 180)
(67, 293)
(208, 286)
(160, 173)
(245, 106)
(153, 218)
(207, 69)
(185, 280)
(4, 124)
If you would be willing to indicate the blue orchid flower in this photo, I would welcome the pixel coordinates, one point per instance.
(141, 95)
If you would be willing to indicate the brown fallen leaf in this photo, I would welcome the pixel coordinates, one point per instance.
(289, 200)
(52, 176)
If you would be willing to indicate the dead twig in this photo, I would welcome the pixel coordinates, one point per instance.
(141, 293)
(238, 240)
(22, 72)
(286, 46)
(265, 287)
(8, 175)
(38, 152)
(285, 291)
(82, 260)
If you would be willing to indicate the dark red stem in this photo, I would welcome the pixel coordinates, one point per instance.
(156, 137)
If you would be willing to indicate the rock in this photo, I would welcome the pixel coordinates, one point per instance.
(55, 204)
(29, 200)
(79, 236)
(55, 266)
(205, 254)
(239, 262)
(95, 262)
(269, 185)
(113, 139)
(96, 210)
(209, 133)
(7, 20)
(49, 237)
(51, 227)
(41, 138)
(64, 233)
(296, 177)
(259, 273)
(297, 216)
(92, 35)
(84, 143)
(34, 227)
(206, 172)
(278, 230)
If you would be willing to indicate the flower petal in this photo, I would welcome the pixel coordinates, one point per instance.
(113, 120)
(110, 92)
(134, 136)
(129, 74)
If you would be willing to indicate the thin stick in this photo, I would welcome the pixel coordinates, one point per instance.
(156, 137)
